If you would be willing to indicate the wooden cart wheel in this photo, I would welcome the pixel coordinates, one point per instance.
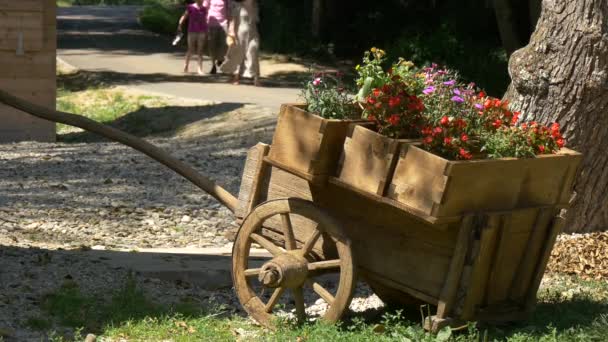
(295, 266)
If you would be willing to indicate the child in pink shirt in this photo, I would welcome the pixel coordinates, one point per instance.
(196, 14)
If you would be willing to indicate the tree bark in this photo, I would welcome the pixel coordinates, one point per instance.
(562, 76)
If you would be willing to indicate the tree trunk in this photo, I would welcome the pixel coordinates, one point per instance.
(562, 76)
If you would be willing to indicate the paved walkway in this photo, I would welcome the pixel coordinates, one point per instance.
(110, 40)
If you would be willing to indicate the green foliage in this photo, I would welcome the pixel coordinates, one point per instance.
(160, 18)
(475, 58)
(327, 96)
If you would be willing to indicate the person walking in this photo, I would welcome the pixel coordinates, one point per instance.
(196, 13)
(243, 54)
(217, 20)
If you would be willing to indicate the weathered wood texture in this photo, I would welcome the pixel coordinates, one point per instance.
(306, 142)
(483, 267)
(292, 267)
(561, 75)
(368, 159)
(27, 56)
(444, 188)
(372, 226)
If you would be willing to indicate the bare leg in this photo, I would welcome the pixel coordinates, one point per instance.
(201, 42)
(236, 79)
(186, 67)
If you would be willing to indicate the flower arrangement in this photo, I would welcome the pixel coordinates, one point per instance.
(455, 120)
(326, 95)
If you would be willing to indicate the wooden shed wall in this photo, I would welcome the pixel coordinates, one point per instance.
(30, 74)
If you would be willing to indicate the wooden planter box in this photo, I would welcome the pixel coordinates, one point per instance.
(307, 143)
(443, 188)
(368, 159)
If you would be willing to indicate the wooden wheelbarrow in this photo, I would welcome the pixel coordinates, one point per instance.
(321, 238)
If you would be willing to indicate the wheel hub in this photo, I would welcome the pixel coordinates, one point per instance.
(286, 270)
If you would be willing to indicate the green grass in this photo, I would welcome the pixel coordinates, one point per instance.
(78, 94)
(571, 310)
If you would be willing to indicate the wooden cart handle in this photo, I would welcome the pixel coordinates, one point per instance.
(185, 170)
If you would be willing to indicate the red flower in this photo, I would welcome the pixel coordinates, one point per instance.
(415, 104)
(497, 123)
(447, 141)
(371, 117)
(427, 130)
(541, 148)
(497, 103)
(437, 130)
(560, 142)
(464, 154)
(487, 104)
(376, 92)
(394, 119)
(444, 121)
(394, 101)
(515, 118)
(524, 126)
(481, 94)
(371, 100)
(464, 138)
(428, 140)
(460, 123)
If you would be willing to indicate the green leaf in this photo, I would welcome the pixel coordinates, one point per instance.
(366, 89)
(444, 334)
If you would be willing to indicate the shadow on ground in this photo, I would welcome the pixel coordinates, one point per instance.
(162, 121)
(132, 297)
(85, 80)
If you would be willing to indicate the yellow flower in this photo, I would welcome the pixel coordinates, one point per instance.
(373, 50)
(408, 64)
(358, 67)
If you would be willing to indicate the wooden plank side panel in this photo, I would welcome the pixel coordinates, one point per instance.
(533, 250)
(367, 160)
(449, 291)
(32, 39)
(306, 142)
(482, 264)
(419, 180)
(22, 5)
(556, 227)
(16, 126)
(488, 185)
(514, 234)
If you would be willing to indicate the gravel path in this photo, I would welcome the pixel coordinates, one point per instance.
(61, 200)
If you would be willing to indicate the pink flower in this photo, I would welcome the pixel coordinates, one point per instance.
(316, 81)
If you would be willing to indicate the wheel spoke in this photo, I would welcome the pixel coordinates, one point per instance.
(323, 265)
(321, 291)
(298, 296)
(267, 244)
(290, 240)
(276, 295)
(252, 272)
(310, 243)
